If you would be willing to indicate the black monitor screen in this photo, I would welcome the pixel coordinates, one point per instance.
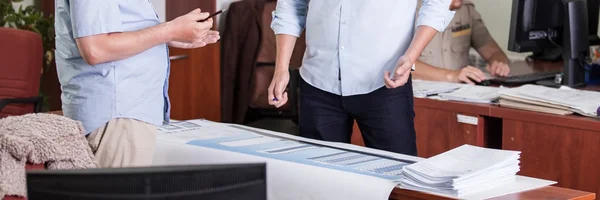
(210, 182)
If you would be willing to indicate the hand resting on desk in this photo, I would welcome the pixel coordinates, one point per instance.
(469, 74)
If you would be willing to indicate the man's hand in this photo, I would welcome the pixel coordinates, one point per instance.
(187, 29)
(401, 73)
(498, 69)
(468, 74)
(210, 38)
(277, 95)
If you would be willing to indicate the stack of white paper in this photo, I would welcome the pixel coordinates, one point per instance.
(474, 94)
(462, 171)
(422, 88)
(583, 102)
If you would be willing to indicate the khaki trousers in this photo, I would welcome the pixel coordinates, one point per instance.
(124, 143)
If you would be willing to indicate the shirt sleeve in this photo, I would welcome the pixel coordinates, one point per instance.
(480, 36)
(289, 17)
(435, 14)
(93, 17)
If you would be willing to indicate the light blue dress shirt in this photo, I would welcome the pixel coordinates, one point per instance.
(135, 87)
(351, 43)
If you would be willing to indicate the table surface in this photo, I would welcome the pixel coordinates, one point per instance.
(549, 192)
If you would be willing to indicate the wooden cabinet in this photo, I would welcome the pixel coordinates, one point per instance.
(194, 83)
(439, 131)
(438, 128)
(559, 148)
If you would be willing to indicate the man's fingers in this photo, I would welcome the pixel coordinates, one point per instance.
(466, 79)
(403, 69)
(386, 79)
(477, 73)
(279, 90)
(196, 11)
(198, 15)
(283, 100)
(506, 71)
(212, 32)
(271, 93)
(389, 83)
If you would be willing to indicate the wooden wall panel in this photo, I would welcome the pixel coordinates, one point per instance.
(176, 8)
(194, 83)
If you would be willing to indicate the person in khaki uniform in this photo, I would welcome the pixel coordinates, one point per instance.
(446, 57)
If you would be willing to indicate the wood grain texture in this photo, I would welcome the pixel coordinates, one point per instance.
(194, 83)
(571, 121)
(439, 131)
(177, 8)
(460, 107)
(549, 151)
(550, 192)
(437, 128)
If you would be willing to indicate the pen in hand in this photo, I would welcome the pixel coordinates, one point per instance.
(212, 15)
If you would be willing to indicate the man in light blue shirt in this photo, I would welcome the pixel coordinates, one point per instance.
(113, 67)
(352, 46)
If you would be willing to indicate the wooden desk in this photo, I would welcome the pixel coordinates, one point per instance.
(565, 149)
(550, 192)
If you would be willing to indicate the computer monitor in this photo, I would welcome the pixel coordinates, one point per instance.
(556, 30)
(206, 182)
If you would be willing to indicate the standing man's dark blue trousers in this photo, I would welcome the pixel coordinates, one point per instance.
(385, 117)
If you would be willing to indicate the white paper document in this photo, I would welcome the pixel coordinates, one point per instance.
(422, 88)
(474, 94)
(464, 170)
(300, 168)
(583, 102)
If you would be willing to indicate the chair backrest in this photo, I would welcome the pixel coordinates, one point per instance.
(21, 57)
(267, 55)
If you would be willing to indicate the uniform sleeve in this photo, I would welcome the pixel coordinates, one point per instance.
(435, 14)
(93, 17)
(289, 17)
(480, 35)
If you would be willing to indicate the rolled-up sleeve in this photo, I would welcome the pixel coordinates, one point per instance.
(289, 17)
(95, 17)
(436, 14)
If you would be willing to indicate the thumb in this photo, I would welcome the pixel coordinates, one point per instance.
(196, 11)
(198, 15)
(279, 89)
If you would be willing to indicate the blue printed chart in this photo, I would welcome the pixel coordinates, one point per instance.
(250, 141)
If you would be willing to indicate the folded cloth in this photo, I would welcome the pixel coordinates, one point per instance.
(57, 141)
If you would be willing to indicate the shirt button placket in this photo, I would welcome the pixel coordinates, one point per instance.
(342, 42)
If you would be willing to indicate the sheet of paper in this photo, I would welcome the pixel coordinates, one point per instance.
(285, 179)
(582, 102)
(288, 179)
(422, 88)
(474, 94)
(520, 184)
(463, 161)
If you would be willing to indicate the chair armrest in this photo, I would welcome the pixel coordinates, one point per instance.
(36, 101)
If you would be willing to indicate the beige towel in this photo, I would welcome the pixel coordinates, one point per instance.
(39, 138)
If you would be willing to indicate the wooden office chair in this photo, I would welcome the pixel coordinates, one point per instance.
(21, 58)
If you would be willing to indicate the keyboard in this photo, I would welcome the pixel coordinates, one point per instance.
(524, 79)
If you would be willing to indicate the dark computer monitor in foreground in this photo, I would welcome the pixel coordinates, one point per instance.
(205, 182)
(556, 30)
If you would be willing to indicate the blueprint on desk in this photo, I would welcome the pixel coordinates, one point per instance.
(245, 140)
